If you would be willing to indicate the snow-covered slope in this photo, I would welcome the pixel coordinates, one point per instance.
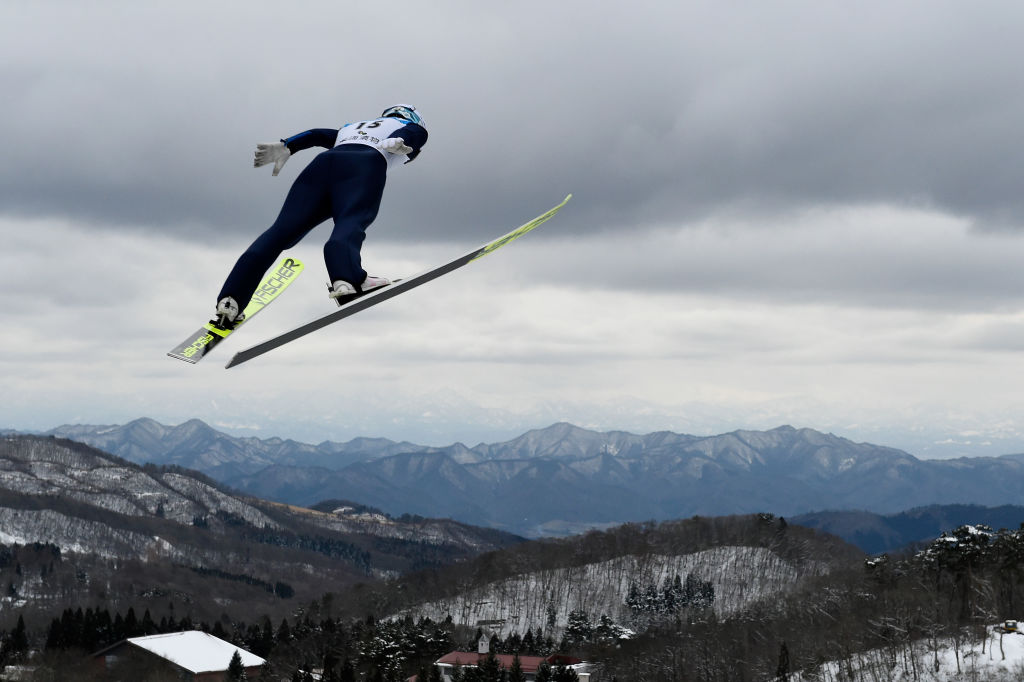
(46, 467)
(999, 657)
(739, 576)
(82, 500)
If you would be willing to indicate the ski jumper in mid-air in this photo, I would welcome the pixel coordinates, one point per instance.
(345, 183)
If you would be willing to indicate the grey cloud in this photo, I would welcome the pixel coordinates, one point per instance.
(648, 114)
(871, 257)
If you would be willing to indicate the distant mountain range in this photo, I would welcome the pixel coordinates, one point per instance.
(563, 479)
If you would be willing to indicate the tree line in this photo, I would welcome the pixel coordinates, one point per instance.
(878, 617)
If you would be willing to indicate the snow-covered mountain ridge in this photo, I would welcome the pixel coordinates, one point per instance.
(41, 467)
(80, 500)
(564, 478)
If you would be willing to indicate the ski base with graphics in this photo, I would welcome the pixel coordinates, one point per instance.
(372, 298)
(195, 347)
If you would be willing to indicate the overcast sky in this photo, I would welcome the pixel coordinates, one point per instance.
(784, 212)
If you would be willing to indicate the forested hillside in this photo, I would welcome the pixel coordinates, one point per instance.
(95, 547)
(635, 574)
(839, 616)
(883, 618)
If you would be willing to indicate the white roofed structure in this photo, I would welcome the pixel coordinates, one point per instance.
(197, 653)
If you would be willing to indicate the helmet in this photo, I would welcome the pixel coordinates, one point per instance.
(403, 111)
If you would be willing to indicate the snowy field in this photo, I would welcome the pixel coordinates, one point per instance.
(999, 658)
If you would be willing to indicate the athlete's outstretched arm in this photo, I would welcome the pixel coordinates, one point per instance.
(317, 137)
(278, 153)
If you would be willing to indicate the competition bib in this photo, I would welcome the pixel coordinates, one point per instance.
(372, 133)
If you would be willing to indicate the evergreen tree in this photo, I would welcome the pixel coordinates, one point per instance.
(16, 647)
(528, 643)
(104, 628)
(578, 629)
(606, 629)
(513, 644)
(544, 673)
(55, 637)
(117, 632)
(515, 673)
(633, 599)
(250, 635)
(673, 594)
(70, 628)
(266, 640)
(490, 669)
(331, 661)
(131, 623)
(284, 633)
(552, 615)
(348, 671)
(236, 671)
(652, 599)
(782, 671)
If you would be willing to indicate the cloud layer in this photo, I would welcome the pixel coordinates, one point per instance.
(145, 116)
(797, 211)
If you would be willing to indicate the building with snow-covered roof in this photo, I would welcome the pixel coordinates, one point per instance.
(191, 655)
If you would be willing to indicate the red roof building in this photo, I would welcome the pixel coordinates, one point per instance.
(529, 664)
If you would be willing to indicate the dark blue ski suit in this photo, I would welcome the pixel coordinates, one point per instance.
(346, 183)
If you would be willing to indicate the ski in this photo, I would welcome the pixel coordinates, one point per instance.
(198, 345)
(372, 298)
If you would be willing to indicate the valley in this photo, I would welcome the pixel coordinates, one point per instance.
(125, 547)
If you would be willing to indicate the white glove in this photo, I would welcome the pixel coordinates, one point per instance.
(395, 145)
(276, 153)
